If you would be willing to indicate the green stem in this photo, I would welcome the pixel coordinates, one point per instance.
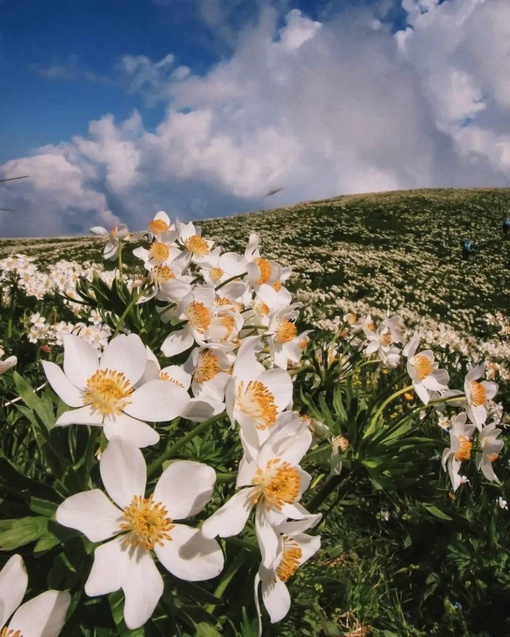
(227, 578)
(119, 256)
(166, 455)
(232, 278)
(128, 309)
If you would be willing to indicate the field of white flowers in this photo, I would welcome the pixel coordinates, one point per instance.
(286, 422)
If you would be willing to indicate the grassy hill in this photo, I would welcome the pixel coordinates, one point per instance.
(397, 250)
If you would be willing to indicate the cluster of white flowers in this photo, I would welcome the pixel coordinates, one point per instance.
(95, 332)
(238, 325)
(431, 385)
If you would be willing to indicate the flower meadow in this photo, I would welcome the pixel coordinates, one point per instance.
(191, 445)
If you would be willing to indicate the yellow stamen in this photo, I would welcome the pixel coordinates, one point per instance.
(157, 226)
(385, 340)
(303, 342)
(159, 251)
(147, 522)
(408, 396)
(422, 366)
(10, 632)
(464, 451)
(162, 273)
(278, 484)
(216, 274)
(292, 553)
(493, 457)
(477, 393)
(286, 331)
(112, 234)
(257, 402)
(351, 318)
(277, 285)
(340, 442)
(370, 326)
(260, 307)
(199, 316)
(229, 323)
(107, 392)
(197, 246)
(166, 376)
(265, 270)
(207, 368)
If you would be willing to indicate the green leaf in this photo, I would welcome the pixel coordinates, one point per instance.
(41, 406)
(436, 512)
(206, 630)
(43, 507)
(16, 533)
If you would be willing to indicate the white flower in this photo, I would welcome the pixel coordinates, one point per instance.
(502, 503)
(423, 370)
(272, 481)
(478, 395)
(42, 616)
(293, 548)
(6, 363)
(142, 525)
(255, 396)
(102, 387)
(459, 450)
(491, 448)
(114, 238)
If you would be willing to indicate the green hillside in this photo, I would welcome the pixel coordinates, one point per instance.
(397, 250)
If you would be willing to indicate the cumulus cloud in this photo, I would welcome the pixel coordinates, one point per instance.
(308, 108)
(67, 68)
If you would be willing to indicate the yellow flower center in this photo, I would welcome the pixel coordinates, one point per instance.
(199, 316)
(229, 323)
(112, 235)
(162, 273)
(370, 326)
(10, 632)
(464, 450)
(261, 308)
(385, 340)
(107, 392)
(303, 342)
(493, 457)
(157, 226)
(340, 442)
(285, 332)
(290, 559)
(257, 402)
(278, 484)
(350, 318)
(265, 270)
(159, 251)
(277, 285)
(422, 366)
(478, 393)
(207, 368)
(216, 274)
(147, 522)
(197, 246)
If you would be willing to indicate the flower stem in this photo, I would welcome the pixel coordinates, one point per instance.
(128, 309)
(375, 418)
(166, 455)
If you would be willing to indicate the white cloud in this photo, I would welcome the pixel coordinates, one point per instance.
(318, 108)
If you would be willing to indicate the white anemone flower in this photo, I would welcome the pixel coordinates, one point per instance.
(6, 363)
(114, 238)
(197, 248)
(42, 616)
(216, 268)
(491, 448)
(459, 450)
(104, 389)
(161, 229)
(273, 482)
(142, 526)
(284, 340)
(425, 374)
(478, 395)
(294, 548)
(255, 396)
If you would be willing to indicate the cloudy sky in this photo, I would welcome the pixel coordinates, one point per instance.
(116, 109)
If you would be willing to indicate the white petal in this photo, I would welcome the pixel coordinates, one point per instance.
(81, 416)
(62, 386)
(177, 342)
(132, 430)
(13, 584)
(185, 487)
(123, 471)
(99, 230)
(231, 518)
(423, 394)
(92, 513)
(110, 564)
(143, 587)
(81, 360)
(200, 409)
(268, 539)
(126, 354)
(158, 401)
(276, 598)
(189, 555)
(42, 616)
(279, 383)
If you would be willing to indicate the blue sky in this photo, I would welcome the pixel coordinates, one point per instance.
(119, 108)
